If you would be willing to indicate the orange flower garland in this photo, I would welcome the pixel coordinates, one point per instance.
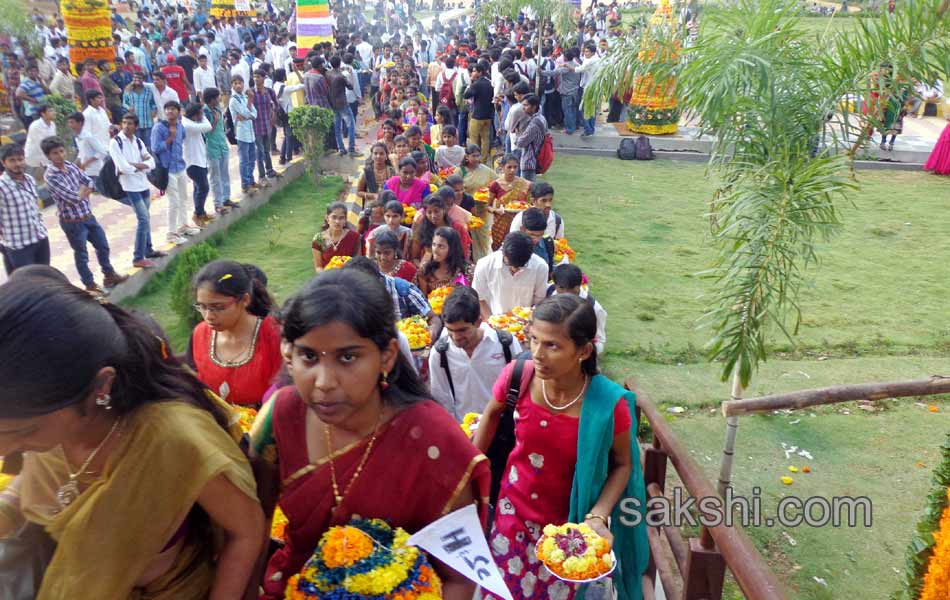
(937, 578)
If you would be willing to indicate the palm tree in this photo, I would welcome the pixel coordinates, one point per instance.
(769, 96)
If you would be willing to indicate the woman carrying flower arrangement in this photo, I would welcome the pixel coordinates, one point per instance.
(409, 189)
(335, 239)
(476, 176)
(575, 455)
(435, 216)
(507, 188)
(356, 433)
(447, 266)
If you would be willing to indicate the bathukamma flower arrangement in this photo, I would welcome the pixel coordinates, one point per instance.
(575, 552)
(365, 559)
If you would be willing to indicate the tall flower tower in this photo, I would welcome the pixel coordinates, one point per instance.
(653, 108)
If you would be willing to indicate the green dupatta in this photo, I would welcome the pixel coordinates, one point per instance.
(594, 439)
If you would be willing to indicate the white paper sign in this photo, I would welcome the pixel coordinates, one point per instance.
(457, 540)
(242, 5)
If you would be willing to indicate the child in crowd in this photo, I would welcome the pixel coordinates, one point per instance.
(443, 117)
(370, 219)
(401, 144)
(449, 155)
(569, 279)
(542, 197)
(393, 215)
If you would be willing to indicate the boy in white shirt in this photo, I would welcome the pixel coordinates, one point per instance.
(568, 279)
(468, 356)
(542, 196)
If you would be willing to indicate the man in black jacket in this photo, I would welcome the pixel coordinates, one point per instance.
(483, 109)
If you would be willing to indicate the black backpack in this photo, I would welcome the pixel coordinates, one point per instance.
(644, 149)
(229, 131)
(442, 347)
(109, 184)
(627, 149)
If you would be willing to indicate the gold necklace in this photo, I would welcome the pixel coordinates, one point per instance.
(69, 491)
(337, 496)
(338, 242)
(241, 359)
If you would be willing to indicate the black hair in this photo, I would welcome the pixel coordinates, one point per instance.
(413, 130)
(426, 227)
(392, 205)
(192, 110)
(210, 94)
(472, 149)
(450, 130)
(541, 188)
(387, 239)
(233, 279)
(454, 179)
(49, 326)
(517, 248)
(462, 305)
(446, 114)
(92, 95)
(389, 123)
(130, 117)
(532, 100)
(354, 297)
(173, 104)
(521, 87)
(578, 318)
(10, 150)
(407, 161)
(568, 276)
(51, 143)
(510, 158)
(330, 208)
(534, 219)
(455, 260)
(38, 270)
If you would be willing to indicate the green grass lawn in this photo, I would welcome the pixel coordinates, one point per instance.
(874, 310)
(276, 237)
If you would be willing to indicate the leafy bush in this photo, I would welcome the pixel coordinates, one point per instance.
(310, 124)
(181, 294)
(64, 107)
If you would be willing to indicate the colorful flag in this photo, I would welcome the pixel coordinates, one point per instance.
(314, 24)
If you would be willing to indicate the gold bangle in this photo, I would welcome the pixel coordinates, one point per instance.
(603, 519)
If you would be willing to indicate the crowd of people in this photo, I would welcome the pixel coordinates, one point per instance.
(174, 488)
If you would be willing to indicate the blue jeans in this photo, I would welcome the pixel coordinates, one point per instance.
(220, 180)
(79, 233)
(139, 201)
(569, 108)
(36, 253)
(341, 117)
(199, 177)
(247, 156)
(463, 128)
(264, 166)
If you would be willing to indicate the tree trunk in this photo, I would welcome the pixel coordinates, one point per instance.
(729, 446)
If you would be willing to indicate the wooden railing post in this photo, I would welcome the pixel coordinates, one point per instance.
(654, 467)
(705, 572)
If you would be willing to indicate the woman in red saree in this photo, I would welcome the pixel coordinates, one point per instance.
(355, 435)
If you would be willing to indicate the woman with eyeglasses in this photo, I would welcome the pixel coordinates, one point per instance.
(236, 347)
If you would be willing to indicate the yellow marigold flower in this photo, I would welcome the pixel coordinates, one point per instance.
(337, 261)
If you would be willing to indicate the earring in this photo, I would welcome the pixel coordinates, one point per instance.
(384, 381)
(105, 401)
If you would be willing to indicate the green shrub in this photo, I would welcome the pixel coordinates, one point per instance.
(310, 124)
(64, 107)
(181, 295)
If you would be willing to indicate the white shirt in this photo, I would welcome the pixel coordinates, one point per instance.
(162, 98)
(194, 150)
(37, 132)
(552, 230)
(472, 376)
(97, 123)
(91, 147)
(365, 50)
(503, 291)
(244, 70)
(203, 79)
(131, 151)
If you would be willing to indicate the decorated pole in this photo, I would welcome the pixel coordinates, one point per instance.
(314, 24)
(88, 30)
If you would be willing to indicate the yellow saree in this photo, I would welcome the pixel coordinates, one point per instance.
(474, 180)
(109, 536)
